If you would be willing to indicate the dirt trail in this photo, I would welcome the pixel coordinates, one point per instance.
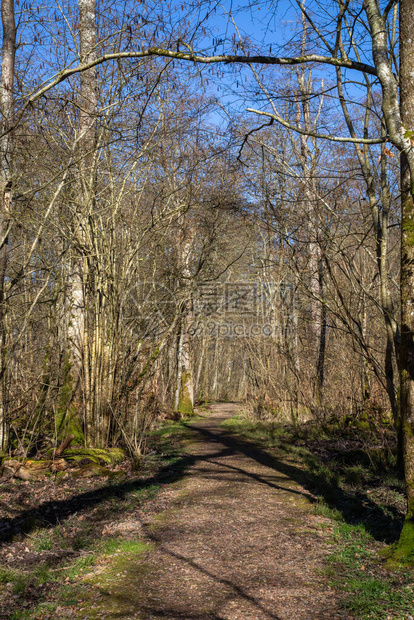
(238, 542)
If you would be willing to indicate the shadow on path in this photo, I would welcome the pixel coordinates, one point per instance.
(383, 524)
(355, 507)
(155, 611)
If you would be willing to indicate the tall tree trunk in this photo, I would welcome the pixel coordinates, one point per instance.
(201, 370)
(406, 542)
(185, 386)
(391, 325)
(320, 365)
(6, 190)
(398, 109)
(87, 145)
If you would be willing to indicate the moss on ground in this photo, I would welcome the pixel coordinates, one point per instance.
(99, 456)
(89, 471)
(111, 589)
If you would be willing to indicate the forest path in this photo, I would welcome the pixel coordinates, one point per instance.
(238, 541)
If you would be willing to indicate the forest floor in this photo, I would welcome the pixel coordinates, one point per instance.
(224, 528)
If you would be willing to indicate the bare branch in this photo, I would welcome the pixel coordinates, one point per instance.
(197, 58)
(314, 134)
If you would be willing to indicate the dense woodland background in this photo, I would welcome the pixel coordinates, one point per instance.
(164, 246)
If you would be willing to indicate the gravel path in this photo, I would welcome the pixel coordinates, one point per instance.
(238, 541)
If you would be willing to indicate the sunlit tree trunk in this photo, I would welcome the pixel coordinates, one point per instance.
(398, 109)
(406, 543)
(6, 190)
(84, 318)
(185, 384)
(201, 370)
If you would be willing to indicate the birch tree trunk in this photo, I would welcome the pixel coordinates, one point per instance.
(185, 385)
(84, 314)
(6, 189)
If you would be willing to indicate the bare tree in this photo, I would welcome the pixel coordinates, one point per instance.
(6, 185)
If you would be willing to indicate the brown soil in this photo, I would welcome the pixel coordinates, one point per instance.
(238, 541)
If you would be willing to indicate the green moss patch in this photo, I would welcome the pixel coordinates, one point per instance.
(185, 403)
(98, 456)
(111, 590)
(402, 553)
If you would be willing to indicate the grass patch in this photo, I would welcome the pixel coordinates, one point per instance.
(145, 494)
(372, 598)
(79, 566)
(113, 546)
(370, 592)
(43, 574)
(110, 592)
(270, 434)
(7, 575)
(169, 434)
(322, 509)
(69, 584)
(69, 594)
(42, 540)
(44, 610)
(21, 580)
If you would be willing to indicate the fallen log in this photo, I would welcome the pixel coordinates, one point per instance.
(65, 444)
(32, 470)
(87, 461)
(15, 470)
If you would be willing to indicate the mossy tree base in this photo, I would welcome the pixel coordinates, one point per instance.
(403, 552)
(67, 417)
(186, 400)
(186, 409)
